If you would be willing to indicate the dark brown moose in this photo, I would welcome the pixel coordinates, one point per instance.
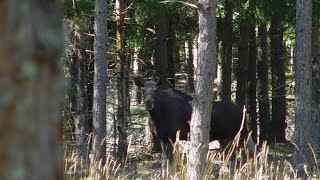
(170, 111)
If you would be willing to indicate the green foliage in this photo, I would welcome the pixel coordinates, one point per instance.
(140, 31)
(79, 9)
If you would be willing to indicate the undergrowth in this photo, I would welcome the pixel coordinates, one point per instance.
(262, 165)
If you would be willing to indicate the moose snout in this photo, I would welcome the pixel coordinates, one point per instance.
(148, 105)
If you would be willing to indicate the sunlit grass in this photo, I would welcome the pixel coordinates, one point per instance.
(219, 165)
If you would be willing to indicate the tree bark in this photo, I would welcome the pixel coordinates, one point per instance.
(263, 71)
(90, 82)
(242, 65)
(227, 52)
(190, 68)
(99, 87)
(31, 90)
(161, 46)
(173, 51)
(200, 120)
(278, 123)
(122, 83)
(80, 119)
(252, 82)
(315, 131)
(303, 85)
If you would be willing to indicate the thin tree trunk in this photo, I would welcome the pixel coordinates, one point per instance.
(136, 66)
(31, 90)
(151, 140)
(278, 124)
(200, 120)
(99, 88)
(242, 65)
(190, 68)
(161, 47)
(303, 86)
(315, 133)
(227, 52)
(252, 82)
(122, 84)
(173, 53)
(72, 72)
(161, 61)
(263, 97)
(90, 82)
(80, 120)
(90, 76)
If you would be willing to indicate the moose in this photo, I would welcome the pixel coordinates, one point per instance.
(170, 112)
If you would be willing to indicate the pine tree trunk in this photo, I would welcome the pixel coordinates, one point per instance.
(32, 41)
(303, 86)
(200, 120)
(151, 140)
(161, 58)
(90, 75)
(263, 97)
(72, 74)
(227, 52)
(99, 87)
(252, 82)
(90, 81)
(173, 53)
(161, 47)
(278, 124)
(190, 68)
(242, 65)
(315, 133)
(80, 119)
(122, 84)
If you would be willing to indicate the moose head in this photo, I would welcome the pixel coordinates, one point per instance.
(149, 88)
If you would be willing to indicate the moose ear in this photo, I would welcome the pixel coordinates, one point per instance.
(159, 81)
(138, 80)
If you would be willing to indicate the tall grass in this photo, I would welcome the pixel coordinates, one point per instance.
(220, 165)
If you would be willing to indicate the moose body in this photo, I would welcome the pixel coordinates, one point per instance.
(170, 111)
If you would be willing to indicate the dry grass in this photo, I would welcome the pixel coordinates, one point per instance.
(219, 165)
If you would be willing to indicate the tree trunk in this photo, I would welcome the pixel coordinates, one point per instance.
(190, 68)
(31, 90)
(122, 83)
(173, 52)
(99, 88)
(137, 67)
(161, 47)
(71, 64)
(278, 123)
(227, 52)
(263, 97)
(252, 82)
(315, 131)
(200, 120)
(151, 140)
(80, 119)
(90, 81)
(303, 86)
(242, 65)
(90, 76)
(161, 58)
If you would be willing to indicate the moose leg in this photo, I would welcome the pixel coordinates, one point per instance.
(229, 153)
(166, 159)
